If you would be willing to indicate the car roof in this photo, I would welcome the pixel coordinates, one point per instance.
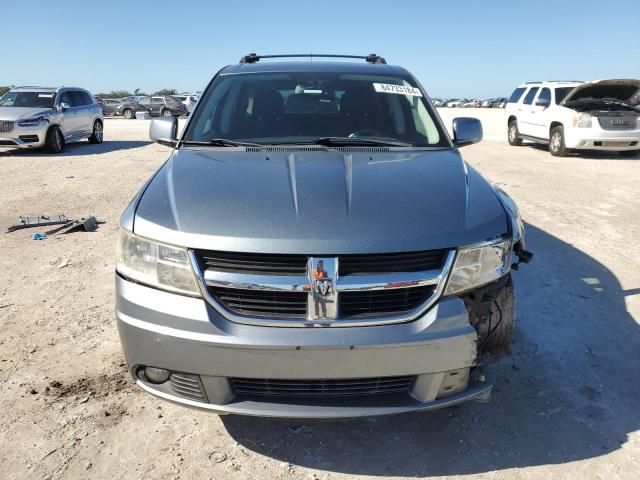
(552, 83)
(44, 89)
(316, 66)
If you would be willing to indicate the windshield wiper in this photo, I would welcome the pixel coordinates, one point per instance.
(349, 142)
(221, 142)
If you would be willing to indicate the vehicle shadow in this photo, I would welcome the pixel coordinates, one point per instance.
(568, 391)
(80, 149)
(586, 154)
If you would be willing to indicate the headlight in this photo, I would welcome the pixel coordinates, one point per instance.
(155, 264)
(31, 122)
(582, 120)
(477, 265)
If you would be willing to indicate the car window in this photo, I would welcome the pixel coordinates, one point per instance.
(545, 95)
(528, 100)
(157, 100)
(65, 97)
(145, 101)
(87, 98)
(77, 98)
(561, 93)
(301, 106)
(28, 99)
(517, 93)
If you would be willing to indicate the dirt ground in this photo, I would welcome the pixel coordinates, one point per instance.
(566, 400)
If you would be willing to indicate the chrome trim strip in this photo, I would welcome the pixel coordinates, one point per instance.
(360, 322)
(248, 281)
(357, 283)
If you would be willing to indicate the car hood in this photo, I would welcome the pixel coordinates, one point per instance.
(318, 202)
(21, 113)
(622, 90)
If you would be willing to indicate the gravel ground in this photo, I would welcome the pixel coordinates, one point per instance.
(565, 403)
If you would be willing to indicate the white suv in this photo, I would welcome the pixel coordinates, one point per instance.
(596, 115)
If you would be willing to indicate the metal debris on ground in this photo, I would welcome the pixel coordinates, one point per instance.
(88, 223)
(38, 221)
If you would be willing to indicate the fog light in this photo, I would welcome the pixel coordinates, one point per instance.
(156, 375)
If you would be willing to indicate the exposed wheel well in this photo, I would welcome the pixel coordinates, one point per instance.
(554, 125)
(512, 118)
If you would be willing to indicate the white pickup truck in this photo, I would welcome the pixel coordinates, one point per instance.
(598, 115)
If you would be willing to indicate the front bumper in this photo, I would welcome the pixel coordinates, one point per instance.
(596, 138)
(24, 137)
(187, 336)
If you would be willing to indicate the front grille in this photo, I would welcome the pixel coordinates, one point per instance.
(618, 122)
(352, 387)
(267, 264)
(187, 386)
(7, 142)
(262, 303)
(383, 302)
(392, 262)
(6, 126)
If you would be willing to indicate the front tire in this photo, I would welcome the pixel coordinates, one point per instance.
(166, 112)
(513, 134)
(54, 141)
(98, 133)
(127, 113)
(557, 147)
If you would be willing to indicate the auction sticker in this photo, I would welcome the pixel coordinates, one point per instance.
(397, 89)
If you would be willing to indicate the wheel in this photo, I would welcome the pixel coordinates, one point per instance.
(514, 134)
(629, 153)
(166, 112)
(492, 312)
(98, 132)
(127, 113)
(54, 141)
(556, 142)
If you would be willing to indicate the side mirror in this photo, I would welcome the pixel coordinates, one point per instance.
(64, 106)
(543, 103)
(466, 130)
(164, 130)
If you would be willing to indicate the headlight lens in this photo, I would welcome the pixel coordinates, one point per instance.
(582, 120)
(31, 122)
(155, 264)
(479, 264)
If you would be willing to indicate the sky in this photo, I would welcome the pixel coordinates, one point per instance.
(456, 48)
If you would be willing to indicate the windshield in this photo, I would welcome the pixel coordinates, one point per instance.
(28, 99)
(283, 108)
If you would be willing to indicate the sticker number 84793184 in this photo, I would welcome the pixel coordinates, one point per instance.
(397, 89)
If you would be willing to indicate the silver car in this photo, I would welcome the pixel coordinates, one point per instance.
(315, 246)
(35, 117)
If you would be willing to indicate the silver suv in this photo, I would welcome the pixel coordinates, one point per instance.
(34, 117)
(315, 246)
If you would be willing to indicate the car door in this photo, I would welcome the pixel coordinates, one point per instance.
(525, 113)
(70, 123)
(157, 105)
(538, 115)
(144, 105)
(86, 113)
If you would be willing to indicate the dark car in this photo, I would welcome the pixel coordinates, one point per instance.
(108, 105)
(164, 106)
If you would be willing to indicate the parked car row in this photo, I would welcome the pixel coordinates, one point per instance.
(499, 102)
(162, 105)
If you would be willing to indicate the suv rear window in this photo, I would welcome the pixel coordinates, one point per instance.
(298, 107)
(517, 93)
(528, 100)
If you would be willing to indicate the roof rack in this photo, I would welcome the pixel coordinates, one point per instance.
(371, 58)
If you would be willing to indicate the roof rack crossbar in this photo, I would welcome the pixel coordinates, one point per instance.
(371, 58)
